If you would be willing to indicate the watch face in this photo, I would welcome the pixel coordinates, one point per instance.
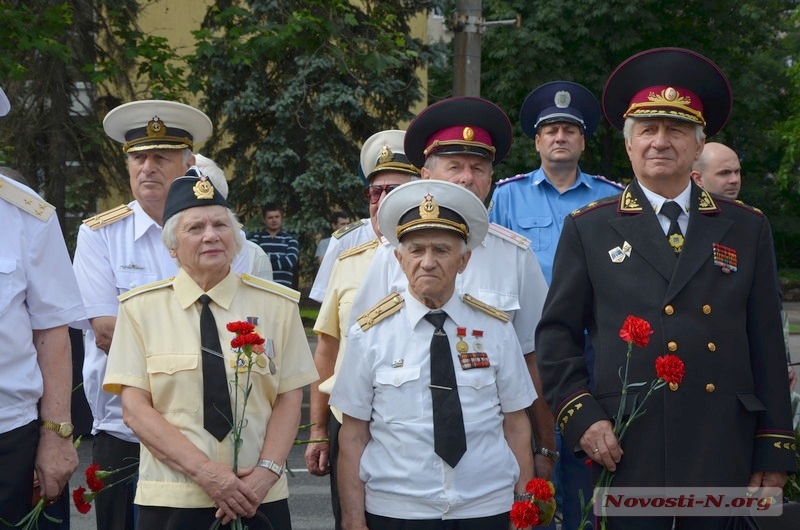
(65, 429)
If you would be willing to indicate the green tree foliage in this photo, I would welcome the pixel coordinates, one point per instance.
(64, 64)
(584, 40)
(294, 88)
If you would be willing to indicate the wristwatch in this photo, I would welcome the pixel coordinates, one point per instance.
(522, 497)
(549, 453)
(272, 466)
(63, 429)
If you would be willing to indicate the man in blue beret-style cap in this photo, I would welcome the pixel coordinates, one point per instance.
(558, 116)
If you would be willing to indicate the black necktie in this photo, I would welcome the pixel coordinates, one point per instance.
(449, 439)
(217, 417)
(672, 210)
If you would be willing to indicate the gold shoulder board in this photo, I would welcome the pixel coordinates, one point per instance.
(271, 287)
(26, 201)
(146, 288)
(347, 229)
(509, 235)
(113, 215)
(385, 308)
(360, 249)
(486, 308)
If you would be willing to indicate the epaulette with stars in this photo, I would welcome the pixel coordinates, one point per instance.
(383, 309)
(360, 249)
(608, 181)
(108, 217)
(26, 201)
(740, 204)
(594, 205)
(490, 310)
(347, 229)
(511, 179)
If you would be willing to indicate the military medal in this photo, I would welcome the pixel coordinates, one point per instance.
(617, 255)
(477, 344)
(461, 345)
(676, 241)
(725, 258)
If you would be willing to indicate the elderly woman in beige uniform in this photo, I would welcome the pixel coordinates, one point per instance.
(173, 366)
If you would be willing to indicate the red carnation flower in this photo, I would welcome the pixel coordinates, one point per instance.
(79, 500)
(670, 368)
(240, 327)
(252, 339)
(540, 489)
(525, 514)
(636, 330)
(94, 483)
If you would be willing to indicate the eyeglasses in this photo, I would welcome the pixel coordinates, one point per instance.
(373, 192)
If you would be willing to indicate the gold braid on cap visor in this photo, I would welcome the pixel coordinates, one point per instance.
(396, 166)
(431, 149)
(177, 142)
(438, 224)
(667, 103)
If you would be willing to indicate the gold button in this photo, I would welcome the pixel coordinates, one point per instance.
(712, 346)
(669, 310)
(706, 309)
(673, 386)
(710, 387)
(672, 345)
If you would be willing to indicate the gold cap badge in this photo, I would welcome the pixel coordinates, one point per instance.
(156, 127)
(203, 189)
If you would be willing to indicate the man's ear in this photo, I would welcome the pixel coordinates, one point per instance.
(697, 178)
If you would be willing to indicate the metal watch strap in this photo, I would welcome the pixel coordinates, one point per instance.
(549, 453)
(522, 497)
(272, 466)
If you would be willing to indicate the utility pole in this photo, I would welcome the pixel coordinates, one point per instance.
(468, 25)
(467, 29)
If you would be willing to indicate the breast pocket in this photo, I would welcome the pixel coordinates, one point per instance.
(538, 230)
(477, 388)
(128, 279)
(176, 383)
(398, 394)
(11, 282)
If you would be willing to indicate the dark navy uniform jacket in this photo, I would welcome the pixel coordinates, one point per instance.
(730, 416)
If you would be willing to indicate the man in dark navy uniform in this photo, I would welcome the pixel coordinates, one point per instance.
(708, 291)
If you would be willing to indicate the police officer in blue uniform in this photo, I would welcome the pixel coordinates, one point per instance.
(559, 116)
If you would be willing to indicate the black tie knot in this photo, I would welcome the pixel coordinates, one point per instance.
(437, 318)
(204, 299)
(672, 210)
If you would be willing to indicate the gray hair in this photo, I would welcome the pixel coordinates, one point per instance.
(170, 238)
(627, 130)
(463, 250)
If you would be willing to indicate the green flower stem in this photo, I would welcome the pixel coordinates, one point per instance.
(620, 429)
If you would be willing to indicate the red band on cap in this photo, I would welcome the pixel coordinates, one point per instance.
(666, 101)
(460, 135)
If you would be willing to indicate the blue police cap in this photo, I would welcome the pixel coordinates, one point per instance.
(560, 101)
